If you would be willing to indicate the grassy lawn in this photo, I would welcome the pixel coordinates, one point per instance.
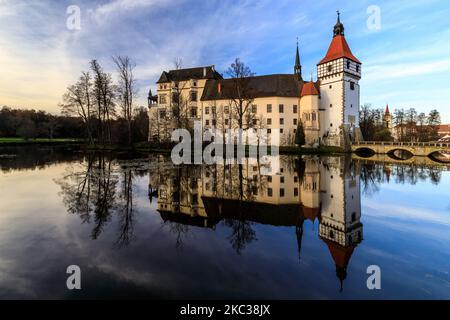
(12, 141)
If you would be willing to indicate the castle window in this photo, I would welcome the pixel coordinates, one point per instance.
(254, 122)
(269, 108)
(281, 121)
(269, 178)
(313, 116)
(162, 99)
(330, 68)
(357, 68)
(213, 110)
(269, 192)
(194, 84)
(193, 112)
(206, 110)
(226, 109)
(207, 122)
(331, 105)
(353, 216)
(348, 64)
(214, 122)
(254, 108)
(330, 86)
(269, 131)
(226, 122)
(295, 108)
(281, 179)
(281, 130)
(352, 85)
(331, 234)
(269, 121)
(281, 108)
(331, 124)
(194, 96)
(281, 192)
(295, 192)
(295, 122)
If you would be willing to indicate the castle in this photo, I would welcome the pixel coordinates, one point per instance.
(327, 108)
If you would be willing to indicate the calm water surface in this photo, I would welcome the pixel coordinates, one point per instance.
(139, 227)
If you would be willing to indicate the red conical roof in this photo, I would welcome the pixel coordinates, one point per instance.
(341, 255)
(387, 110)
(339, 49)
(309, 89)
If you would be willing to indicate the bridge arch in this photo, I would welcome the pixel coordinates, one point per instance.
(440, 156)
(401, 154)
(365, 152)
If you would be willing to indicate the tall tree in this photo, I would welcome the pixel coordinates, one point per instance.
(434, 120)
(104, 94)
(78, 101)
(241, 99)
(126, 90)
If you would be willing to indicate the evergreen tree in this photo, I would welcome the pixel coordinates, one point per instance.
(300, 139)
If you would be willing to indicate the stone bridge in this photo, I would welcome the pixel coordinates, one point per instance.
(436, 151)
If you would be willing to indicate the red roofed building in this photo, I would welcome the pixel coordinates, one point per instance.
(327, 107)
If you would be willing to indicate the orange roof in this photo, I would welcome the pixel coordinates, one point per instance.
(309, 89)
(339, 49)
(341, 255)
(310, 213)
(444, 128)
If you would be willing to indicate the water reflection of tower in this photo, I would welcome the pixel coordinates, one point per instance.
(340, 227)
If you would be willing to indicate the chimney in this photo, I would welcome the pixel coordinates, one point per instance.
(204, 72)
(219, 88)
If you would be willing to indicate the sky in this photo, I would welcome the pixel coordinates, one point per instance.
(404, 50)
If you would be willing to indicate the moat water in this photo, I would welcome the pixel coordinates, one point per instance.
(139, 227)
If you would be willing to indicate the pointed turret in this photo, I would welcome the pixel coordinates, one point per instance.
(387, 112)
(298, 66)
(339, 47)
(339, 27)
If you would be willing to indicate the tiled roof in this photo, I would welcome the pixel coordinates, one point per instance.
(190, 73)
(310, 89)
(339, 49)
(275, 85)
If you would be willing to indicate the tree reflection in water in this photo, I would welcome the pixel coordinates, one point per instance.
(97, 188)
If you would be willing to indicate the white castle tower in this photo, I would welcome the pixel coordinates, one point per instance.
(339, 73)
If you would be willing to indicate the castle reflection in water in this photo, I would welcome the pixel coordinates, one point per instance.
(310, 188)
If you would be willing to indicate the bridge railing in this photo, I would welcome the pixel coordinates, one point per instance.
(403, 144)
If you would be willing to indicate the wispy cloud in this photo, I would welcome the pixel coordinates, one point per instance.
(39, 57)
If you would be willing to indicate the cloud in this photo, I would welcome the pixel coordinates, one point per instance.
(120, 7)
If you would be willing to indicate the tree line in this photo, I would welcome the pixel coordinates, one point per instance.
(30, 124)
(407, 125)
(107, 110)
(94, 108)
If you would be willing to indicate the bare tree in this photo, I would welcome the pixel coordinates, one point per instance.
(78, 101)
(104, 93)
(240, 99)
(126, 90)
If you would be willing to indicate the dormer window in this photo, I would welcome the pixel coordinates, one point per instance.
(352, 85)
(330, 68)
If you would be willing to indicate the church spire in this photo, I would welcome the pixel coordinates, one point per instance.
(298, 66)
(339, 27)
